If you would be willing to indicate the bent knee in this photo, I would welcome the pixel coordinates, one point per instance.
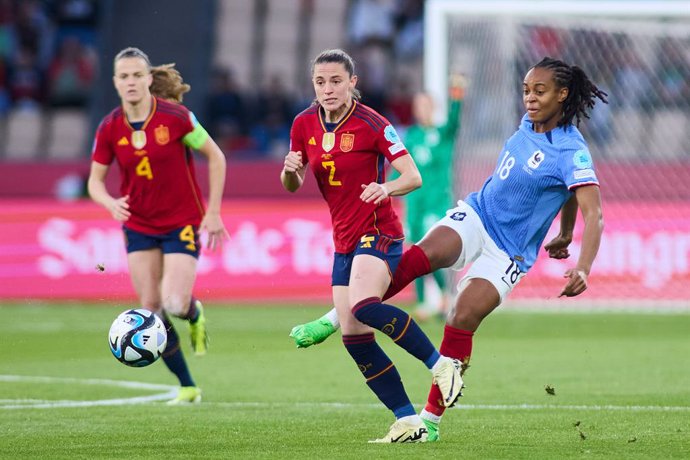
(465, 319)
(176, 304)
(442, 246)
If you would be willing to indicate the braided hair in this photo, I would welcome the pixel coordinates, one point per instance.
(582, 93)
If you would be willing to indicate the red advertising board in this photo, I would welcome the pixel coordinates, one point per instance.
(282, 251)
(278, 250)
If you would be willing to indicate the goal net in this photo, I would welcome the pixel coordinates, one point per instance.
(639, 53)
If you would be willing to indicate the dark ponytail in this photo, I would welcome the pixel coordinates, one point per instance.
(582, 93)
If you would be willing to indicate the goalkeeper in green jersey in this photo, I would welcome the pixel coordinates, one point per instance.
(432, 149)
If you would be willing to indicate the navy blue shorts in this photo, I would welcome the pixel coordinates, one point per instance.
(183, 240)
(385, 248)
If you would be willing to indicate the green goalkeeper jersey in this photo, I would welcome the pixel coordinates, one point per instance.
(432, 150)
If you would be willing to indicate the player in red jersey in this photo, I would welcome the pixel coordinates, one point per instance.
(346, 144)
(160, 207)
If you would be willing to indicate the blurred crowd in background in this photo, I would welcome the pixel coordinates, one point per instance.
(50, 59)
(47, 53)
(256, 121)
(647, 79)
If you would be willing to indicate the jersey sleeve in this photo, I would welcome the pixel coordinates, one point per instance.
(297, 143)
(452, 125)
(389, 143)
(196, 134)
(577, 168)
(102, 150)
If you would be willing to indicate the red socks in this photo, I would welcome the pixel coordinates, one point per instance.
(457, 343)
(413, 264)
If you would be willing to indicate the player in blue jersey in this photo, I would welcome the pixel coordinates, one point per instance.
(544, 167)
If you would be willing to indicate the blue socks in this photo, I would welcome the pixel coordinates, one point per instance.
(380, 373)
(173, 357)
(399, 326)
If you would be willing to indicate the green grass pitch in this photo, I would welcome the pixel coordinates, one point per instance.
(621, 384)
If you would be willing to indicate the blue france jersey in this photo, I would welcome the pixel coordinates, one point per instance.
(535, 176)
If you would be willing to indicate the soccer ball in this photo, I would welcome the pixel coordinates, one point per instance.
(137, 337)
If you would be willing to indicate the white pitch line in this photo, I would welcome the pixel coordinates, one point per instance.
(497, 407)
(171, 391)
(100, 382)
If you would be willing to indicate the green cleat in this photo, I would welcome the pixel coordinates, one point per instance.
(198, 332)
(433, 430)
(186, 395)
(312, 333)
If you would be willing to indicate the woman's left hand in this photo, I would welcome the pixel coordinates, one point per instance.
(374, 192)
(213, 225)
(577, 282)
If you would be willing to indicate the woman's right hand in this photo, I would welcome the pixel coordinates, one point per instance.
(558, 247)
(293, 162)
(119, 209)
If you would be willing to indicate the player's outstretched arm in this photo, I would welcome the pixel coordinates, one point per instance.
(589, 201)
(456, 93)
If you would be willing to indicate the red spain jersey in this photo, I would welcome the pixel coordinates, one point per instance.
(157, 168)
(353, 152)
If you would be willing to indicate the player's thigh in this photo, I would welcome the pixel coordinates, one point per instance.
(485, 285)
(370, 277)
(455, 240)
(146, 270)
(179, 275)
(442, 246)
(348, 323)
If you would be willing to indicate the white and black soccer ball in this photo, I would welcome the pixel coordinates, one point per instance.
(137, 337)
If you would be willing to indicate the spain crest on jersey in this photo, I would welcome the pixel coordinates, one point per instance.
(347, 141)
(162, 135)
(328, 141)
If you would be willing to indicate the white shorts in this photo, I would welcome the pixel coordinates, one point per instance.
(488, 261)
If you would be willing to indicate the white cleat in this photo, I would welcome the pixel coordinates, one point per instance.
(402, 431)
(449, 380)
